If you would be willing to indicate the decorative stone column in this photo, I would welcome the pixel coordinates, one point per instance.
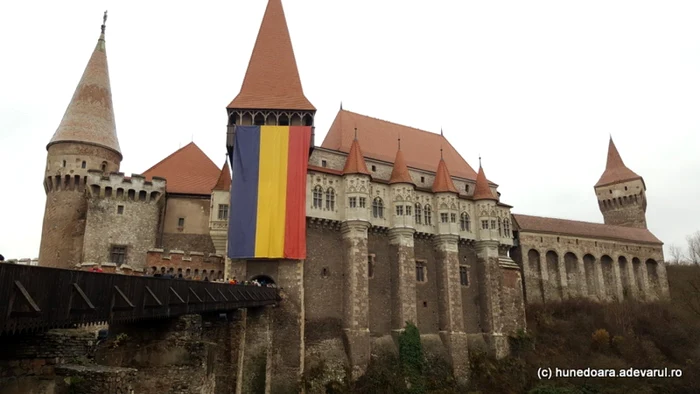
(403, 273)
(356, 295)
(451, 322)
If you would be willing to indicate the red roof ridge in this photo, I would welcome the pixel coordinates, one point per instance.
(224, 181)
(188, 170)
(443, 180)
(615, 168)
(355, 162)
(169, 156)
(393, 123)
(399, 172)
(483, 191)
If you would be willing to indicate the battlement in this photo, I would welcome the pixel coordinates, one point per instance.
(116, 185)
(193, 265)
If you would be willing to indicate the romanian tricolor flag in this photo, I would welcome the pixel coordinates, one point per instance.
(268, 192)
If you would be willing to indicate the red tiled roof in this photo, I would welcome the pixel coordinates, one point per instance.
(400, 174)
(584, 229)
(443, 180)
(355, 162)
(482, 191)
(272, 80)
(224, 181)
(421, 148)
(187, 171)
(90, 114)
(615, 169)
(324, 170)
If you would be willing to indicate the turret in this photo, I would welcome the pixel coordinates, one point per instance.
(488, 221)
(403, 192)
(621, 193)
(86, 139)
(357, 185)
(271, 93)
(446, 195)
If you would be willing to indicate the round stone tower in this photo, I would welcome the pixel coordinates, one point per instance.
(85, 140)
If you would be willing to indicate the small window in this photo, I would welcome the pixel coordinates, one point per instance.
(352, 202)
(370, 266)
(484, 224)
(83, 164)
(463, 276)
(422, 179)
(466, 188)
(118, 254)
(223, 211)
(64, 163)
(318, 197)
(181, 222)
(408, 210)
(120, 209)
(104, 166)
(420, 271)
(493, 225)
(374, 168)
(323, 163)
(399, 210)
(443, 217)
(363, 202)
(453, 218)
(324, 272)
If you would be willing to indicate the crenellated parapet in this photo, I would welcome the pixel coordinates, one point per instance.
(117, 186)
(193, 265)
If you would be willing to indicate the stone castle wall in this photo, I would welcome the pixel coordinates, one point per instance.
(558, 267)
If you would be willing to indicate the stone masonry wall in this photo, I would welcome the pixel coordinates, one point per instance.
(192, 265)
(199, 242)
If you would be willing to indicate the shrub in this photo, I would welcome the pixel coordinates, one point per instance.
(601, 339)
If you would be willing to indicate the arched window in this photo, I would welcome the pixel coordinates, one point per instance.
(378, 208)
(428, 215)
(330, 199)
(419, 214)
(318, 197)
(104, 166)
(83, 164)
(464, 223)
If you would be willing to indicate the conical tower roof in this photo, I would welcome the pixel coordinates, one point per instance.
(272, 80)
(400, 174)
(615, 169)
(443, 180)
(482, 191)
(355, 163)
(89, 117)
(224, 181)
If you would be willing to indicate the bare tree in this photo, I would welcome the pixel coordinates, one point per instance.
(694, 248)
(676, 254)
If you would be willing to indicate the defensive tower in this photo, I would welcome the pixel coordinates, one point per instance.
(86, 139)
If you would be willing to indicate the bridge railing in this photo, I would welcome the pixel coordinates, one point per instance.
(39, 298)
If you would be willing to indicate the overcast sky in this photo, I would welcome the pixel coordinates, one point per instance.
(535, 87)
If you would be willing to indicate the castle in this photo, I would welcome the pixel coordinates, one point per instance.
(399, 227)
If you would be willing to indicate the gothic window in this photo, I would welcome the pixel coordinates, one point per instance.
(506, 227)
(330, 199)
(118, 254)
(363, 202)
(484, 224)
(318, 197)
(352, 202)
(463, 276)
(428, 215)
(408, 210)
(464, 224)
(399, 210)
(420, 271)
(419, 214)
(370, 266)
(499, 228)
(223, 211)
(443, 217)
(493, 225)
(378, 208)
(453, 218)
(104, 166)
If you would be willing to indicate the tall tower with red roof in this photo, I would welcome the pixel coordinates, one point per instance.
(621, 193)
(86, 139)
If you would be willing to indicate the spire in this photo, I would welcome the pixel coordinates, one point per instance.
(400, 174)
(615, 168)
(89, 117)
(443, 180)
(482, 191)
(224, 181)
(341, 105)
(355, 163)
(272, 80)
